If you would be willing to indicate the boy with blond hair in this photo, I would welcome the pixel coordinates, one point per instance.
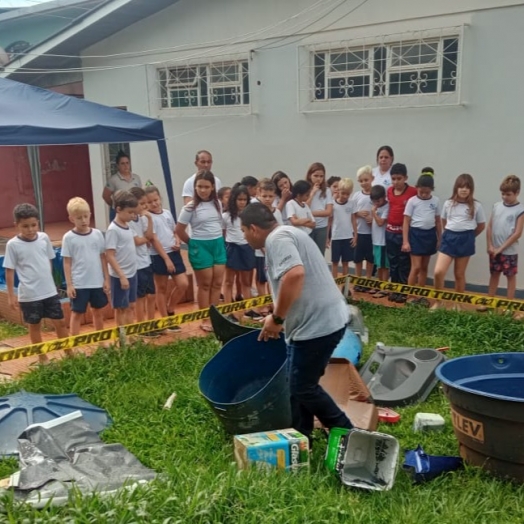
(30, 254)
(362, 211)
(85, 266)
(343, 228)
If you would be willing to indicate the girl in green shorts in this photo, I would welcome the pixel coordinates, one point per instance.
(207, 251)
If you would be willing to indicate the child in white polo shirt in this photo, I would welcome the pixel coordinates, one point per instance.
(143, 231)
(85, 266)
(30, 254)
(503, 232)
(121, 256)
(166, 260)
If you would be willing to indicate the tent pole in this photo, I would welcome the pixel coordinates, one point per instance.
(33, 154)
(162, 149)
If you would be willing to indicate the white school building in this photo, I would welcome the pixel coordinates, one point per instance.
(278, 84)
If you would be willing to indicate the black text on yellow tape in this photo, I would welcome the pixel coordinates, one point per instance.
(138, 328)
(436, 294)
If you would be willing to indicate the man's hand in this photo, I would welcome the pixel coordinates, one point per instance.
(270, 329)
(107, 286)
(124, 283)
(71, 292)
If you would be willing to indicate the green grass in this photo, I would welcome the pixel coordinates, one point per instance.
(8, 330)
(199, 481)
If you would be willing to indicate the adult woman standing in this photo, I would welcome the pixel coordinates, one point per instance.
(206, 246)
(123, 179)
(320, 202)
(381, 173)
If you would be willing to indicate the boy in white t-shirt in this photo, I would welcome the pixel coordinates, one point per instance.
(362, 210)
(142, 227)
(503, 232)
(343, 228)
(266, 192)
(121, 257)
(379, 212)
(30, 254)
(85, 266)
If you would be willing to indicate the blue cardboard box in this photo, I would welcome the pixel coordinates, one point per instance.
(281, 449)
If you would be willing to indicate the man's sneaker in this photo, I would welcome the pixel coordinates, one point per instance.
(174, 329)
(253, 315)
(232, 318)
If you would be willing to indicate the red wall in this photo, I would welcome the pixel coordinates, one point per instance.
(65, 173)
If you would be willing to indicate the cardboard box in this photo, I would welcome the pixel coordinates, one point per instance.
(280, 449)
(345, 386)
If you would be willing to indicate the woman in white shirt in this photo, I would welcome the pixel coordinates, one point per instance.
(283, 191)
(206, 247)
(320, 202)
(381, 173)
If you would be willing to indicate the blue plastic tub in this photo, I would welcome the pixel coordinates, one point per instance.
(486, 393)
(246, 385)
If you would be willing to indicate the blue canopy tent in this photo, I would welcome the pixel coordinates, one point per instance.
(31, 116)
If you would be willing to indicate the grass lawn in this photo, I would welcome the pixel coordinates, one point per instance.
(8, 330)
(199, 481)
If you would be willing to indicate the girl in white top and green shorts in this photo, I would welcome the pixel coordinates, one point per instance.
(207, 250)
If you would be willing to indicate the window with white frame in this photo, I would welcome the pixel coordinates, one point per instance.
(215, 84)
(384, 72)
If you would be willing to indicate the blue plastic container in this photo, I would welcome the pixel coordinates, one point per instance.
(349, 348)
(246, 385)
(19, 410)
(486, 393)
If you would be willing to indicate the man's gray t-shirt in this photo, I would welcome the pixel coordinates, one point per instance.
(320, 310)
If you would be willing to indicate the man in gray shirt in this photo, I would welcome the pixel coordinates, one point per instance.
(308, 306)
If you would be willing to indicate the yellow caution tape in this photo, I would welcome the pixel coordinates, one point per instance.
(138, 328)
(435, 294)
(111, 334)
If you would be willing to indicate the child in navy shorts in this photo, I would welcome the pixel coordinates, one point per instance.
(421, 231)
(343, 232)
(364, 218)
(463, 220)
(29, 254)
(266, 192)
(121, 256)
(166, 260)
(240, 255)
(142, 227)
(86, 274)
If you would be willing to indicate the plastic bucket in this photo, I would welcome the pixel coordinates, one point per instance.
(486, 394)
(370, 461)
(246, 385)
